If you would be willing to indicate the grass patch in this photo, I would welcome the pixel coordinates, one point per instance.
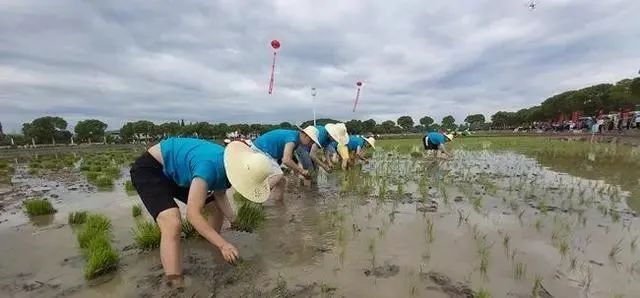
(136, 210)
(94, 226)
(188, 230)
(101, 256)
(128, 187)
(77, 217)
(483, 293)
(104, 182)
(146, 235)
(250, 215)
(35, 207)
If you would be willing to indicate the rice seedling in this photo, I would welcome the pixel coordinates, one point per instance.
(483, 293)
(520, 215)
(35, 207)
(538, 224)
(136, 210)
(477, 203)
(573, 263)
(188, 230)
(250, 216)
(372, 251)
(563, 248)
(101, 257)
(94, 226)
(146, 235)
(104, 182)
(537, 286)
(519, 270)
(462, 217)
(506, 239)
(430, 231)
(615, 250)
(128, 186)
(77, 217)
(634, 244)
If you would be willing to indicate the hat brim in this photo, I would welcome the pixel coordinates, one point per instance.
(341, 139)
(236, 171)
(370, 143)
(313, 138)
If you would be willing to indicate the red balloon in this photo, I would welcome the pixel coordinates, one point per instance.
(275, 44)
(359, 84)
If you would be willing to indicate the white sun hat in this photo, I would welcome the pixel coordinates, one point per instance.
(312, 132)
(371, 142)
(248, 171)
(449, 136)
(338, 132)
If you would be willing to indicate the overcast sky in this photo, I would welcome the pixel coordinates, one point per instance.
(210, 60)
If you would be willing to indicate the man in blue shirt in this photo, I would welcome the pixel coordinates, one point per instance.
(434, 141)
(279, 145)
(198, 173)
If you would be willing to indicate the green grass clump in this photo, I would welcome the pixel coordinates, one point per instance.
(250, 217)
(94, 240)
(188, 230)
(35, 207)
(136, 210)
(483, 293)
(77, 218)
(104, 182)
(129, 188)
(92, 176)
(95, 225)
(101, 256)
(146, 235)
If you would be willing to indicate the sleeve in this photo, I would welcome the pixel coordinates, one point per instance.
(205, 171)
(343, 151)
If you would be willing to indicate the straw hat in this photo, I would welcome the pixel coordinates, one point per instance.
(449, 136)
(371, 142)
(312, 132)
(338, 132)
(248, 171)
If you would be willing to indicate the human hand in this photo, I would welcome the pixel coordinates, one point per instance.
(229, 252)
(305, 174)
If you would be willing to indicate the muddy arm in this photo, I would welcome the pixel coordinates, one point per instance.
(195, 204)
(287, 160)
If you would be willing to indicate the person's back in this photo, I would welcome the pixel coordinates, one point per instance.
(355, 142)
(273, 142)
(187, 158)
(436, 138)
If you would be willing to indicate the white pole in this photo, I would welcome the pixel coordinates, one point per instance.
(313, 102)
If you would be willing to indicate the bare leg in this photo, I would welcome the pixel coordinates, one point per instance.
(222, 202)
(277, 184)
(215, 216)
(170, 250)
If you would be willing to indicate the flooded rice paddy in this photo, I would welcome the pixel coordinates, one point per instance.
(506, 217)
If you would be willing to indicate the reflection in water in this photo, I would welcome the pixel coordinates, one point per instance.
(42, 220)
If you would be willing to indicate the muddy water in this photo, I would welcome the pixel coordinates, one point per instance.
(342, 238)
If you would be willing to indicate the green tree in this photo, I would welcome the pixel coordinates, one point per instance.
(426, 121)
(475, 121)
(90, 130)
(286, 125)
(368, 126)
(406, 122)
(449, 123)
(354, 126)
(46, 129)
(321, 121)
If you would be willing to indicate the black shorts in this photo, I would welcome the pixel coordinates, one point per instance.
(428, 145)
(157, 191)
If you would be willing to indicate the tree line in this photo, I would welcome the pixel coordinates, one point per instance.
(590, 101)
(53, 130)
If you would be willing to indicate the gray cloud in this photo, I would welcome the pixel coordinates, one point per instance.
(210, 60)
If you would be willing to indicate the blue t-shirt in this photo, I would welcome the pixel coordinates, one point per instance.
(187, 158)
(324, 138)
(333, 145)
(355, 142)
(273, 142)
(436, 138)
